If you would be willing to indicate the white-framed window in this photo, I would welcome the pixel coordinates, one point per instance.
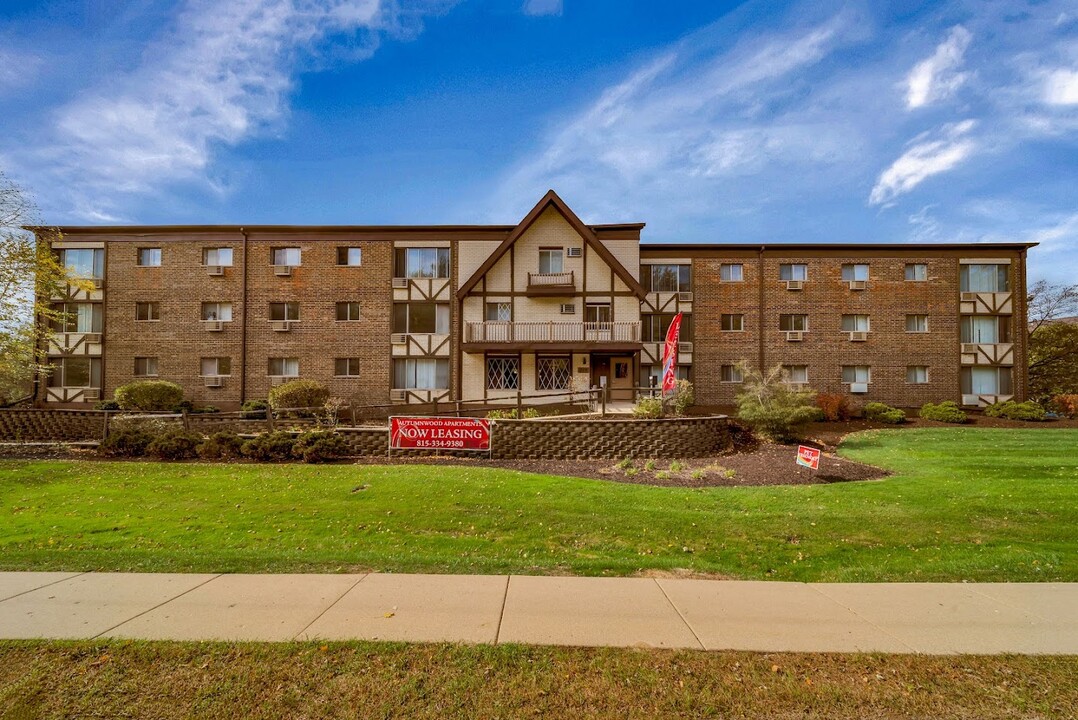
(917, 374)
(916, 323)
(732, 322)
(75, 372)
(730, 374)
(984, 278)
(217, 311)
(290, 256)
(651, 376)
(421, 263)
(284, 311)
(77, 317)
(916, 272)
(145, 367)
(503, 373)
(499, 312)
(220, 366)
(350, 256)
(149, 257)
(793, 271)
(856, 374)
(788, 323)
(667, 278)
(986, 381)
(553, 373)
(283, 367)
(797, 373)
(421, 318)
(217, 256)
(147, 311)
(421, 374)
(856, 323)
(83, 263)
(346, 367)
(987, 329)
(550, 261)
(731, 272)
(855, 271)
(348, 311)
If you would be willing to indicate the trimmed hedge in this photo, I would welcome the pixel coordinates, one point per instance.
(129, 440)
(881, 412)
(174, 444)
(224, 445)
(302, 394)
(1028, 411)
(270, 447)
(320, 446)
(947, 412)
(158, 395)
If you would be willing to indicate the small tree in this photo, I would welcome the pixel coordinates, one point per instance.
(771, 404)
(309, 395)
(1048, 302)
(157, 395)
(1053, 360)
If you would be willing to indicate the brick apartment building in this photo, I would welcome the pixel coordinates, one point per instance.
(414, 314)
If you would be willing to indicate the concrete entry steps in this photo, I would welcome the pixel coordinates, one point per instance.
(1032, 618)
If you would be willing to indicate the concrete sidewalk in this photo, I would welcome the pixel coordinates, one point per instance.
(625, 612)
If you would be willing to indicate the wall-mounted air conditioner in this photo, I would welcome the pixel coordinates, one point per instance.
(685, 297)
(567, 309)
(213, 325)
(91, 394)
(858, 284)
(685, 347)
(282, 270)
(92, 338)
(858, 336)
(400, 283)
(398, 395)
(574, 252)
(859, 388)
(795, 335)
(281, 325)
(795, 284)
(215, 269)
(213, 381)
(398, 338)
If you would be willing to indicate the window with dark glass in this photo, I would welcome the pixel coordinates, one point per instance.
(286, 256)
(145, 367)
(499, 312)
(75, 372)
(597, 313)
(667, 278)
(553, 373)
(503, 373)
(149, 257)
(215, 366)
(77, 317)
(421, 318)
(732, 322)
(789, 323)
(284, 311)
(147, 311)
(793, 271)
(653, 327)
(987, 329)
(348, 311)
(346, 367)
(421, 262)
(350, 256)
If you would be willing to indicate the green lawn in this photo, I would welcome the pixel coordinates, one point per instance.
(964, 504)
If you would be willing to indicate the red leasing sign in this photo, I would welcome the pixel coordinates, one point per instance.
(439, 433)
(808, 456)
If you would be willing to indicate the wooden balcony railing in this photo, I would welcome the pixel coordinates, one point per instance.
(552, 332)
(545, 280)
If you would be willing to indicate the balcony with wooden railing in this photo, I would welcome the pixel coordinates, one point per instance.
(551, 283)
(540, 335)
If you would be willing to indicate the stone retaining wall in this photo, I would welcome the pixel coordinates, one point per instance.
(27, 425)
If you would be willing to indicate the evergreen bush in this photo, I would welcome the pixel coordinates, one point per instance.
(155, 395)
(947, 412)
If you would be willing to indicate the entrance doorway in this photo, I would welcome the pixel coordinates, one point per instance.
(615, 373)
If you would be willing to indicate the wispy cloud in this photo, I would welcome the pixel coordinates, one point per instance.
(937, 77)
(542, 7)
(1061, 87)
(928, 155)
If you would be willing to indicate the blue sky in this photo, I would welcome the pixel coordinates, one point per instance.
(741, 122)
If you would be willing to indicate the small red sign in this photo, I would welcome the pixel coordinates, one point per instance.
(439, 433)
(808, 456)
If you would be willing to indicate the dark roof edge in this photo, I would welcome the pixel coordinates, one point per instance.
(136, 229)
(688, 247)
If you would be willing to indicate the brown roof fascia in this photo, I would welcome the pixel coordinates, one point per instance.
(551, 198)
(836, 247)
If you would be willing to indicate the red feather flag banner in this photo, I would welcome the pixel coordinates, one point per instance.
(670, 356)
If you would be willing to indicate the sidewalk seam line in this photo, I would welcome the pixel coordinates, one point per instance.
(329, 607)
(868, 622)
(160, 604)
(679, 614)
(501, 615)
(42, 587)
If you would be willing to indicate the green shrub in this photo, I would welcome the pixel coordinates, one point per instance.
(880, 412)
(1028, 411)
(157, 395)
(107, 405)
(682, 398)
(947, 412)
(127, 440)
(648, 408)
(511, 414)
(300, 395)
(175, 444)
(274, 446)
(320, 446)
(224, 445)
(770, 404)
(254, 409)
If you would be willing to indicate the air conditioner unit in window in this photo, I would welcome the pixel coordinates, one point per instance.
(281, 379)
(795, 335)
(213, 381)
(91, 394)
(213, 325)
(858, 284)
(574, 252)
(568, 309)
(216, 269)
(858, 336)
(398, 338)
(92, 338)
(795, 284)
(282, 270)
(398, 395)
(859, 388)
(969, 347)
(968, 296)
(685, 297)
(281, 325)
(400, 283)
(685, 347)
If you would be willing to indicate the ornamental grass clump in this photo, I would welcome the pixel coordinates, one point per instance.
(771, 404)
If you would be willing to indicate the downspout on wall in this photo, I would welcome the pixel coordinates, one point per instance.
(243, 325)
(760, 329)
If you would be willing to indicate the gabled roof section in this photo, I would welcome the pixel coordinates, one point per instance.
(551, 199)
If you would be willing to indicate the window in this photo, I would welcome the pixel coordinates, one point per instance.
(421, 374)
(145, 367)
(84, 263)
(797, 373)
(147, 311)
(852, 271)
(75, 372)
(346, 367)
(733, 323)
(731, 272)
(985, 329)
(350, 256)
(983, 278)
(421, 318)
(283, 367)
(348, 311)
(503, 373)
(217, 311)
(77, 318)
(666, 278)
(149, 257)
(917, 374)
(284, 311)
(916, 323)
(553, 373)
(221, 366)
(793, 272)
(499, 312)
(855, 323)
(290, 256)
(986, 381)
(788, 323)
(217, 256)
(597, 313)
(654, 327)
(916, 272)
(550, 261)
(856, 374)
(421, 262)
(730, 374)
(651, 375)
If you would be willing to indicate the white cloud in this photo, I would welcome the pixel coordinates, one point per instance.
(1061, 87)
(936, 78)
(924, 158)
(542, 7)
